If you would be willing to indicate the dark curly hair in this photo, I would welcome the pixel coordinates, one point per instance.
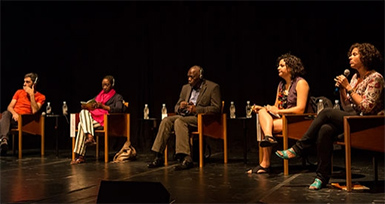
(293, 62)
(370, 57)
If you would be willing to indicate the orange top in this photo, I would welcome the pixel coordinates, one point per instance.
(23, 103)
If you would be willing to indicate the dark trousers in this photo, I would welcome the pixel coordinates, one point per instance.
(323, 132)
(5, 124)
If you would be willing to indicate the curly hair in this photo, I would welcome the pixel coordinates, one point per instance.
(293, 62)
(370, 57)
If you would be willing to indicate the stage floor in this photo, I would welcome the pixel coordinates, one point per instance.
(52, 179)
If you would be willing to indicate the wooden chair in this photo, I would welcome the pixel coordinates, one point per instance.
(293, 127)
(362, 132)
(115, 124)
(209, 125)
(31, 124)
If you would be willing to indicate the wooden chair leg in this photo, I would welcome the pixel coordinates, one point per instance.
(165, 156)
(97, 147)
(106, 148)
(225, 159)
(13, 144)
(73, 147)
(347, 167)
(201, 150)
(20, 143)
(375, 169)
(42, 143)
(285, 161)
(260, 153)
(224, 123)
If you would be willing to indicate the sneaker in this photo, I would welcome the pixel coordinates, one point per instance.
(4, 146)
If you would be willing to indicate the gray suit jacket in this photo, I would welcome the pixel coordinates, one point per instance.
(209, 99)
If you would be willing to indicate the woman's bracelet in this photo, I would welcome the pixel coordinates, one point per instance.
(350, 91)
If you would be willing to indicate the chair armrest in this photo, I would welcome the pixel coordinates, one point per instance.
(31, 118)
(295, 125)
(292, 118)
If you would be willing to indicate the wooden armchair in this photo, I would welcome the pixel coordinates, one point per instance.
(209, 125)
(362, 132)
(214, 126)
(115, 124)
(31, 124)
(293, 127)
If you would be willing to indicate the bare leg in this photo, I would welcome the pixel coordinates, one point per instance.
(266, 121)
(268, 125)
(265, 163)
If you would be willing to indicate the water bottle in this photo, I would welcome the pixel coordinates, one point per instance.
(146, 112)
(65, 108)
(164, 111)
(248, 110)
(48, 109)
(320, 106)
(232, 109)
(336, 105)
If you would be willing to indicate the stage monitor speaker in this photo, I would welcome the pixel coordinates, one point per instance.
(132, 192)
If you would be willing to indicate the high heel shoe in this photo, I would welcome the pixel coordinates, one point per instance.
(316, 185)
(285, 154)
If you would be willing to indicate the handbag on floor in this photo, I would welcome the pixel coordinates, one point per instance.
(127, 153)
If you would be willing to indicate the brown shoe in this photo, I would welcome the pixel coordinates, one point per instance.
(90, 141)
(78, 160)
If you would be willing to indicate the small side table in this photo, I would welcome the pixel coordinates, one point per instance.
(56, 128)
(145, 126)
(245, 130)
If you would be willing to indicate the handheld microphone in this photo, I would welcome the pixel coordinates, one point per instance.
(34, 83)
(346, 74)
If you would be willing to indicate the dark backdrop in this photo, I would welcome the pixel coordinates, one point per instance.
(149, 46)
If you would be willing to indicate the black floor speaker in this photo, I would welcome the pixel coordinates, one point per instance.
(132, 192)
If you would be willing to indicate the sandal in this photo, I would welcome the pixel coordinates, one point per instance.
(285, 154)
(78, 160)
(90, 141)
(259, 170)
(268, 141)
(316, 185)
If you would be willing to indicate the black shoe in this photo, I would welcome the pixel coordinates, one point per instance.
(186, 164)
(268, 141)
(4, 146)
(158, 162)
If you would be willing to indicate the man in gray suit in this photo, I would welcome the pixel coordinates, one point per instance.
(198, 96)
